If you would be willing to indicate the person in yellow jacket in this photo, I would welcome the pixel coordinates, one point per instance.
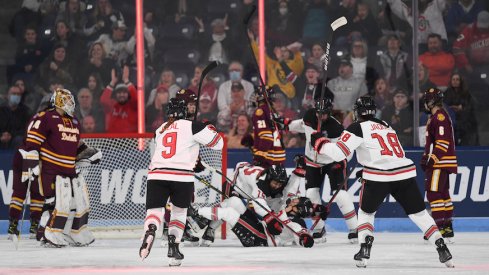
(282, 70)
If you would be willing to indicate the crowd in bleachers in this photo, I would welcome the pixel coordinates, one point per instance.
(88, 47)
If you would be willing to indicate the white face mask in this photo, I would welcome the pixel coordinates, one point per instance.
(283, 11)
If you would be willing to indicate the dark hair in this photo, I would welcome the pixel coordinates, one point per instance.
(433, 35)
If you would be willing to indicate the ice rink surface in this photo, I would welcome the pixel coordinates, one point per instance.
(392, 253)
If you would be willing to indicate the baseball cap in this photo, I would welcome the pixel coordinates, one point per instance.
(401, 91)
(237, 86)
(120, 86)
(345, 62)
(483, 20)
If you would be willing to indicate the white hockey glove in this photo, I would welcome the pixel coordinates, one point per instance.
(30, 165)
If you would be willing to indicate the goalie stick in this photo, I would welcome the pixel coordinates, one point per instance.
(325, 59)
(228, 181)
(211, 66)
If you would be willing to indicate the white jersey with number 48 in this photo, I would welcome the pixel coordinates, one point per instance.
(378, 150)
(177, 149)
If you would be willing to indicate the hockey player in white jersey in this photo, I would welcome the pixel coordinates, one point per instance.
(269, 189)
(386, 170)
(320, 166)
(171, 175)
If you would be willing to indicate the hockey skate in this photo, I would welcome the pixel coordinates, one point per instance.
(148, 240)
(208, 237)
(175, 257)
(443, 253)
(188, 239)
(13, 232)
(447, 233)
(353, 236)
(194, 220)
(164, 236)
(363, 255)
(33, 229)
(319, 235)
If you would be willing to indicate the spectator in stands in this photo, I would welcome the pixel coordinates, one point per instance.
(400, 116)
(208, 85)
(206, 111)
(29, 98)
(156, 112)
(430, 18)
(89, 125)
(95, 85)
(120, 104)
(365, 23)
(97, 63)
(15, 116)
(394, 64)
(382, 95)
(167, 78)
(317, 21)
(63, 35)
(149, 48)
(285, 22)
(241, 127)
(45, 93)
(238, 105)
(72, 12)
(115, 44)
(424, 79)
(281, 105)
(101, 19)
(471, 49)
(217, 44)
(87, 107)
(440, 64)
(362, 63)
(390, 24)
(316, 52)
(27, 15)
(28, 56)
(309, 88)
(56, 65)
(346, 88)
(460, 14)
(283, 68)
(459, 99)
(235, 70)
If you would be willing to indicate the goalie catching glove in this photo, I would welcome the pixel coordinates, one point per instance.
(87, 156)
(273, 225)
(318, 140)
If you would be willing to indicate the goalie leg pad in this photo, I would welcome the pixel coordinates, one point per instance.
(228, 214)
(250, 232)
(56, 224)
(79, 232)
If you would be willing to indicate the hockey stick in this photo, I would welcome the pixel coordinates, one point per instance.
(228, 181)
(211, 66)
(325, 59)
(330, 202)
(16, 239)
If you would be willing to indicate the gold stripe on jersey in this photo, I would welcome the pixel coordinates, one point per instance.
(16, 206)
(33, 141)
(57, 155)
(36, 134)
(443, 141)
(441, 148)
(435, 178)
(259, 153)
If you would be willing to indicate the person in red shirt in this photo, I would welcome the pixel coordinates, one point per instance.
(119, 101)
(440, 64)
(438, 161)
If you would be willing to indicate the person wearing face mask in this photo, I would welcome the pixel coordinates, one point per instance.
(216, 44)
(235, 70)
(284, 23)
(15, 116)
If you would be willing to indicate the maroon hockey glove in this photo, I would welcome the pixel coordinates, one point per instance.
(247, 141)
(273, 225)
(320, 211)
(300, 166)
(427, 161)
(318, 140)
(306, 240)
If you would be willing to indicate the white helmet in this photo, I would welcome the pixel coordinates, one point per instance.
(63, 99)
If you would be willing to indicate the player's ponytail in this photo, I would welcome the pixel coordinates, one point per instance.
(168, 124)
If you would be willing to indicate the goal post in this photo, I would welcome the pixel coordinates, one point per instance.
(117, 185)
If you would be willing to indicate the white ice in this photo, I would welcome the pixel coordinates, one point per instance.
(392, 253)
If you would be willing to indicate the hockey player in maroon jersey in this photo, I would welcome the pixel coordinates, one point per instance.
(21, 180)
(267, 145)
(53, 138)
(171, 175)
(386, 171)
(439, 161)
(320, 166)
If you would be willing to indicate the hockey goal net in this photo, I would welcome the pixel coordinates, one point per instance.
(117, 185)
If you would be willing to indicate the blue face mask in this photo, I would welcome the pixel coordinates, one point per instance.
(14, 100)
(234, 75)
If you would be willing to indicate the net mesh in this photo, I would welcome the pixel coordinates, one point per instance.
(117, 185)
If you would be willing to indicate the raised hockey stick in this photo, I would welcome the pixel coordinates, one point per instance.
(228, 181)
(211, 66)
(325, 59)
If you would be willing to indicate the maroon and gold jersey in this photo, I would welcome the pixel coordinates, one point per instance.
(267, 147)
(440, 141)
(56, 139)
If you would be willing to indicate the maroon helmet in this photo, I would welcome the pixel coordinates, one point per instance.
(188, 95)
(432, 97)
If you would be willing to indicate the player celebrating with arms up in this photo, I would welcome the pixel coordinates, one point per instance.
(386, 171)
(171, 175)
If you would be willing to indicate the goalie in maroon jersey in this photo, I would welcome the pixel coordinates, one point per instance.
(439, 161)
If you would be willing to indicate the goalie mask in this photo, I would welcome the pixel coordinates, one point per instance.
(364, 107)
(190, 99)
(431, 98)
(177, 108)
(64, 100)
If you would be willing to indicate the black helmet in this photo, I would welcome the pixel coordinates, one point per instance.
(432, 97)
(277, 172)
(323, 106)
(261, 94)
(177, 108)
(364, 106)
